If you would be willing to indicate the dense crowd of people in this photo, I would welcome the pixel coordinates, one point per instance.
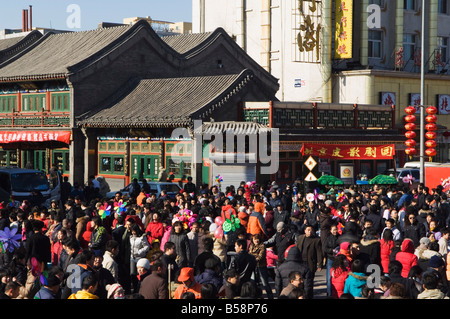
(380, 241)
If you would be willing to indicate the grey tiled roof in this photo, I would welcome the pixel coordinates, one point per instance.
(12, 46)
(166, 102)
(53, 54)
(183, 43)
(236, 128)
(9, 42)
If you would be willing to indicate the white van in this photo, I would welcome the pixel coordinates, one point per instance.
(417, 164)
(20, 183)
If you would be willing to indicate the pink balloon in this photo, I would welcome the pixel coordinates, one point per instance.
(218, 233)
(219, 221)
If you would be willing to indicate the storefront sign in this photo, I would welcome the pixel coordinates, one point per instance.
(347, 152)
(344, 29)
(34, 136)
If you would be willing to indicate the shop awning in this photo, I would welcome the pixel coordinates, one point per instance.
(349, 152)
(7, 137)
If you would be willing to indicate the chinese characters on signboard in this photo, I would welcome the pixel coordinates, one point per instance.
(388, 98)
(443, 106)
(35, 136)
(308, 29)
(415, 100)
(349, 152)
(344, 29)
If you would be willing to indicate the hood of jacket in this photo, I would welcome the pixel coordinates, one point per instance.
(408, 246)
(292, 253)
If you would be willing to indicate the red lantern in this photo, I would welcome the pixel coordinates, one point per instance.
(410, 126)
(410, 151)
(410, 143)
(410, 134)
(431, 127)
(431, 119)
(410, 118)
(430, 152)
(431, 144)
(410, 110)
(430, 135)
(432, 110)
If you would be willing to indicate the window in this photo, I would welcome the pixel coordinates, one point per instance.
(378, 2)
(118, 164)
(375, 44)
(442, 49)
(8, 103)
(105, 164)
(442, 6)
(33, 102)
(410, 5)
(409, 46)
(60, 102)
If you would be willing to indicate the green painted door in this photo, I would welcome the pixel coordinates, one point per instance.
(40, 160)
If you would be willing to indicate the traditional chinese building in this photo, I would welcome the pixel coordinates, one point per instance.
(121, 83)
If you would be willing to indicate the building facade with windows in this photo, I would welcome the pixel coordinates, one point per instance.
(345, 52)
(106, 101)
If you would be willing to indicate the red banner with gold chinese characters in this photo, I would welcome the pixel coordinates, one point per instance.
(349, 152)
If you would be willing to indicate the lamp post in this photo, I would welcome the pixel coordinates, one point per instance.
(422, 99)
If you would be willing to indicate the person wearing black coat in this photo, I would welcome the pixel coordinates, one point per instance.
(370, 244)
(310, 247)
(244, 263)
(293, 262)
(413, 229)
(395, 270)
(376, 218)
(281, 240)
(38, 245)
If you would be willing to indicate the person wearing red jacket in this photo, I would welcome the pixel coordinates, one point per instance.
(154, 229)
(386, 245)
(406, 257)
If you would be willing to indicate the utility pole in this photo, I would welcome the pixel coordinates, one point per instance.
(422, 99)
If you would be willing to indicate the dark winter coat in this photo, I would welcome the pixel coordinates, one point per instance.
(292, 263)
(182, 248)
(371, 246)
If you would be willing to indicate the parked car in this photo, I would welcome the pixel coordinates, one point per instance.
(171, 189)
(22, 183)
(404, 172)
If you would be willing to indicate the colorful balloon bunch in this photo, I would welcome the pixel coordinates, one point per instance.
(186, 217)
(221, 227)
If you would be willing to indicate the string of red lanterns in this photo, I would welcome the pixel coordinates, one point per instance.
(410, 127)
(430, 135)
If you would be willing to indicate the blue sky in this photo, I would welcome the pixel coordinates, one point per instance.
(53, 13)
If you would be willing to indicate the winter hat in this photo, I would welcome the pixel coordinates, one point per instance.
(435, 262)
(425, 241)
(144, 263)
(186, 273)
(112, 289)
(280, 226)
